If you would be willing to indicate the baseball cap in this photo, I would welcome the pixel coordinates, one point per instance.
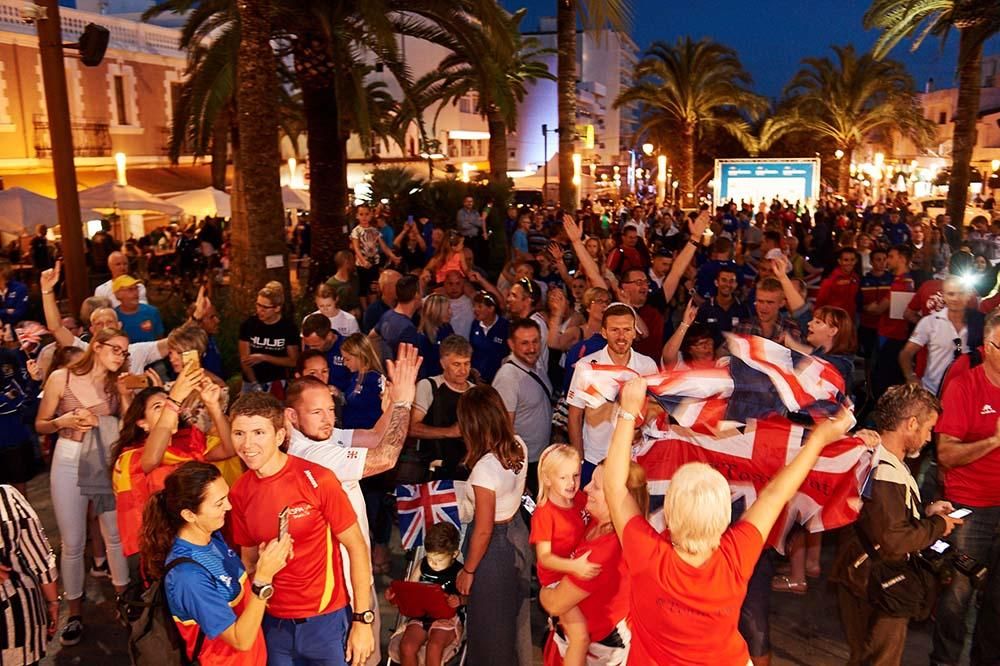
(123, 282)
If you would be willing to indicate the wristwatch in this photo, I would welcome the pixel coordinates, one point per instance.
(262, 591)
(368, 617)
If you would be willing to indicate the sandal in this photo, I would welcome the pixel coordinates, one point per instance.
(785, 584)
(381, 560)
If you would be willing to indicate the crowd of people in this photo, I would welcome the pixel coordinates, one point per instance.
(262, 495)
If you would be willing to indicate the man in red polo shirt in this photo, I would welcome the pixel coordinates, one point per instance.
(968, 452)
(309, 618)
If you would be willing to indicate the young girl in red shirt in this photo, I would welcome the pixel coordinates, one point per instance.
(557, 528)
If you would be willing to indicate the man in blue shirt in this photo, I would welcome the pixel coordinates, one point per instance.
(140, 321)
(13, 296)
(723, 312)
(396, 325)
(896, 230)
(319, 335)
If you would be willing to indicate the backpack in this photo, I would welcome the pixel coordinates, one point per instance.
(153, 636)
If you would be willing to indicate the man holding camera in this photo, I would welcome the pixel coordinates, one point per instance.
(890, 523)
(969, 456)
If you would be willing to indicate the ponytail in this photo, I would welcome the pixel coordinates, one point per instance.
(161, 518)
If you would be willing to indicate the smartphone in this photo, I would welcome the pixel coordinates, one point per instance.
(283, 523)
(959, 513)
(940, 546)
(136, 382)
(191, 359)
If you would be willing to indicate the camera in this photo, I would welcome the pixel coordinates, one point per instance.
(942, 560)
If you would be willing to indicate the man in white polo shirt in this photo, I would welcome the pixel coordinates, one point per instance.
(590, 428)
(944, 334)
(352, 454)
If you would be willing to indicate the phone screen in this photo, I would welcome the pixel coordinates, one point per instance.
(959, 513)
(940, 546)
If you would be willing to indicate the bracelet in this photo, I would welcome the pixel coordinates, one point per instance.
(471, 573)
(694, 244)
(46, 292)
(628, 416)
(402, 403)
(172, 405)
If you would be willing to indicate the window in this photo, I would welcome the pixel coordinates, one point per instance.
(942, 118)
(468, 103)
(121, 107)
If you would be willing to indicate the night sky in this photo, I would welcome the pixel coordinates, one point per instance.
(772, 36)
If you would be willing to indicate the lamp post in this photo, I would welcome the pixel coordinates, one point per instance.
(50, 51)
(661, 178)
(577, 176)
(545, 159)
(430, 150)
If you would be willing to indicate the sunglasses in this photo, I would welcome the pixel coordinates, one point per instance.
(487, 297)
(528, 285)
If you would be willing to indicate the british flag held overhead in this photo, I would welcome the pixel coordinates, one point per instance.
(420, 506)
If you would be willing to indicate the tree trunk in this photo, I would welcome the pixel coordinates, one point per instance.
(498, 146)
(970, 56)
(686, 175)
(328, 196)
(220, 148)
(566, 92)
(259, 231)
(844, 171)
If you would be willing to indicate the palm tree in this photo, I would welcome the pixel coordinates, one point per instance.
(594, 15)
(855, 98)
(976, 21)
(498, 77)
(687, 87)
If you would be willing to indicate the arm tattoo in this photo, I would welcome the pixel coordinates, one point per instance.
(384, 456)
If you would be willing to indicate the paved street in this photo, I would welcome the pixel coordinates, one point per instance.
(805, 630)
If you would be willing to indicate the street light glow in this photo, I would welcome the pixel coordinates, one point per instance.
(995, 165)
(838, 153)
(661, 165)
(120, 168)
(647, 148)
(577, 168)
(466, 170)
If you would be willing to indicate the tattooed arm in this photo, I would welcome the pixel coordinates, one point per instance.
(385, 440)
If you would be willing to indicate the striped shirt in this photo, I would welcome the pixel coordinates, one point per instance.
(25, 549)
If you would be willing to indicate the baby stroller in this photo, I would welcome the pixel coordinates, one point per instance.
(454, 653)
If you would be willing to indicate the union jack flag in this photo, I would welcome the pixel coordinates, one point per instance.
(742, 418)
(30, 334)
(421, 506)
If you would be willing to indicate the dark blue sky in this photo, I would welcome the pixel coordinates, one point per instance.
(772, 36)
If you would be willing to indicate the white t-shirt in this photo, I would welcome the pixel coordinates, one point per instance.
(937, 335)
(489, 473)
(462, 315)
(347, 463)
(344, 323)
(598, 424)
(104, 291)
(140, 354)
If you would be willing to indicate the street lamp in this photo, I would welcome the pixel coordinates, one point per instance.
(676, 184)
(647, 149)
(577, 176)
(466, 170)
(838, 153)
(661, 178)
(120, 169)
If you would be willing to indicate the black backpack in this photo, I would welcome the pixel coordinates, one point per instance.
(153, 635)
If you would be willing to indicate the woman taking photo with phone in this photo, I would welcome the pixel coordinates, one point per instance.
(213, 594)
(86, 395)
(154, 442)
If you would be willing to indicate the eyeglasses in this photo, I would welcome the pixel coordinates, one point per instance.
(958, 346)
(995, 345)
(264, 306)
(116, 350)
(637, 281)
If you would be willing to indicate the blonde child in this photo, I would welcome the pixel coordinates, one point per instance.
(557, 528)
(440, 566)
(327, 303)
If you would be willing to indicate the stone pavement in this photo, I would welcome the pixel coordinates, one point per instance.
(805, 630)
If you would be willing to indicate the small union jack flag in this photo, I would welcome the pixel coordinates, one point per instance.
(421, 506)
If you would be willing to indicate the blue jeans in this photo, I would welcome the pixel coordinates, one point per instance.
(979, 538)
(320, 640)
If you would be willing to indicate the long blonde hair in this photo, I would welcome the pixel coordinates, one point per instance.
(85, 363)
(361, 347)
(550, 460)
(432, 313)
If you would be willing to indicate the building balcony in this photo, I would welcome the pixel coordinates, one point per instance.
(90, 138)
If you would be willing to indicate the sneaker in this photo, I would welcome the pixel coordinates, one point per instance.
(100, 571)
(72, 633)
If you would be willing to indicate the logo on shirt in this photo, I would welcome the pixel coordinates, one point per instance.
(146, 325)
(987, 409)
(226, 580)
(311, 478)
(352, 455)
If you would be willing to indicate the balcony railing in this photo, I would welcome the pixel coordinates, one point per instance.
(90, 138)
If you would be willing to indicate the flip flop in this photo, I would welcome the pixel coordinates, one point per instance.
(785, 584)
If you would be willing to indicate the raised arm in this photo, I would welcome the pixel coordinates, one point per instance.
(53, 318)
(587, 263)
(621, 504)
(672, 349)
(772, 499)
(793, 299)
(684, 257)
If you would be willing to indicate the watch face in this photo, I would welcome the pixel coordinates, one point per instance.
(368, 617)
(265, 591)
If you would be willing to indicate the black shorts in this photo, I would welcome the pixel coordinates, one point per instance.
(17, 463)
(365, 278)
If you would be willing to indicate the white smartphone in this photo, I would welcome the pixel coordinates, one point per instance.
(940, 546)
(959, 513)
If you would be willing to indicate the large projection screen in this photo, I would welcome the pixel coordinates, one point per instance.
(759, 180)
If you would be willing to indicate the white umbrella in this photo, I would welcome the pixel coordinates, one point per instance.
(293, 198)
(21, 211)
(206, 202)
(115, 197)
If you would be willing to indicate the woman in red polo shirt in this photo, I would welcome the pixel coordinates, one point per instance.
(603, 599)
(687, 585)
